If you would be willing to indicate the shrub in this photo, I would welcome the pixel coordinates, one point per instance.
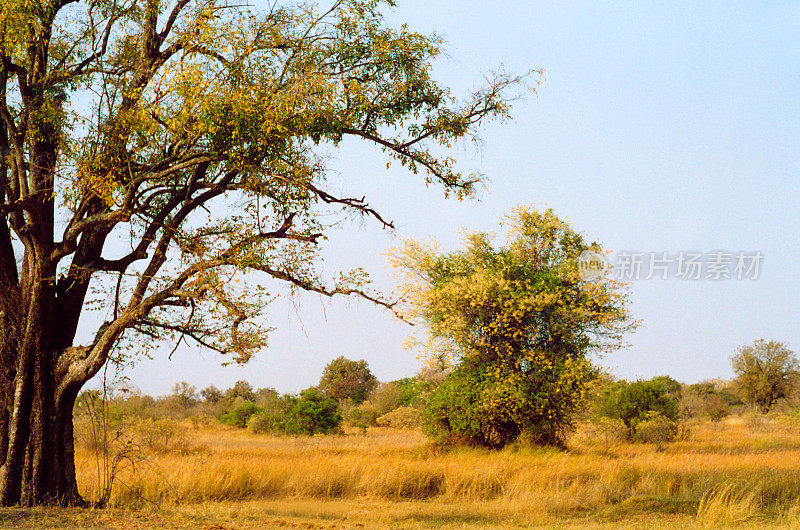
(163, 435)
(312, 413)
(486, 407)
(364, 415)
(702, 399)
(240, 414)
(607, 431)
(262, 422)
(393, 394)
(656, 428)
(273, 410)
(201, 420)
(716, 408)
(401, 418)
(632, 402)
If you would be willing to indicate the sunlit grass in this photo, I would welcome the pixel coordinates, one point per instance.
(729, 473)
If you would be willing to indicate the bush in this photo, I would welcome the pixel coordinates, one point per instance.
(656, 428)
(401, 418)
(312, 413)
(702, 399)
(273, 411)
(606, 431)
(163, 435)
(364, 415)
(389, 396)
(632, 402)
(240, 415)
(479, 406)
(716, 408)
(263, 422)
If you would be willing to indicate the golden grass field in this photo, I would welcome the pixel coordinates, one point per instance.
(744, 471)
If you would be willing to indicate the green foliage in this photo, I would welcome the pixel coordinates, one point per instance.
(273, 408)
(518, 323)
(241, 413)
(765, 372)
(312, 413)
(264, 422)
(492, 407)
(345, 379)
(633, 402)
(670, 385)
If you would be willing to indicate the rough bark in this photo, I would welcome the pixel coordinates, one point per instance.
(38, 441)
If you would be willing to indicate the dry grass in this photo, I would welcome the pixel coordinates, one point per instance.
(739, 472)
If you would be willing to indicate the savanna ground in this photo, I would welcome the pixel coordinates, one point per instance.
(742, 471)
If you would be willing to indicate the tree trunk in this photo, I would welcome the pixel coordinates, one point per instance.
(36, 441)
(37, 454)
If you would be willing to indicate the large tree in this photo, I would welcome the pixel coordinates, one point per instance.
(164, 149)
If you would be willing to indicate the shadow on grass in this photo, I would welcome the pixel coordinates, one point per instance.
(648, 505)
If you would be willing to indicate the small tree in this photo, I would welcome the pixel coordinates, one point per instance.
(764, 372)
(241, 413)
(240, 389)
(517, 323)
(185, 394)
(346, 379)
(211, 394)
(634, 402)
(312, 413)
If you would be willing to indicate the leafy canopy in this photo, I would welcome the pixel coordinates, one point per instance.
(312, 413)
(516, 324)
(638, 401)
(344, 379)
(189, 130)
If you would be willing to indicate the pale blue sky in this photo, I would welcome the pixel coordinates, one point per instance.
(659, 127)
